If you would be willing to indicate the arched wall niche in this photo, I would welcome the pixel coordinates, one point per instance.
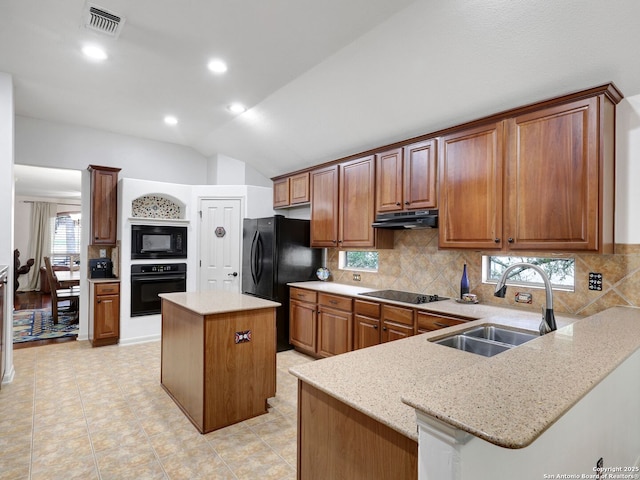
(158, 206)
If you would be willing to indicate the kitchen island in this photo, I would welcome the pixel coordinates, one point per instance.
(218, 356)
(352, 407)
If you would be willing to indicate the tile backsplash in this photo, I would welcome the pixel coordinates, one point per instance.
(415, 264)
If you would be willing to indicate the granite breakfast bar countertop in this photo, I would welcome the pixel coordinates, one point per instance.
(213, 302)
(508, 399)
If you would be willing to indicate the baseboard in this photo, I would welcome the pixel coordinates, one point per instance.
(136, 340)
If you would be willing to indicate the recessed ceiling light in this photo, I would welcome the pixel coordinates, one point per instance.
(217, 66)
(94, 52)
(236, 108)
(170, 120)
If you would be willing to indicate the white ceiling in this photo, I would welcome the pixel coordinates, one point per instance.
(322, 80)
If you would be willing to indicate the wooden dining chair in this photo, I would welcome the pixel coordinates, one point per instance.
(62, 300)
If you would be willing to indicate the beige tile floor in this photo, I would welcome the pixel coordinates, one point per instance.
(100, 413)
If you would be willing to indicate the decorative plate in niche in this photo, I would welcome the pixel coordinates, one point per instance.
(155, 206)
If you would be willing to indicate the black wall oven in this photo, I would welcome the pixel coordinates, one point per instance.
(152, 242)
(147, 281)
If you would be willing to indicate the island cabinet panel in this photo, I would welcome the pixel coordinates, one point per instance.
(215, 379)
(336, 441)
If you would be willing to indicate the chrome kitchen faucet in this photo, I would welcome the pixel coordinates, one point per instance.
(548, 323)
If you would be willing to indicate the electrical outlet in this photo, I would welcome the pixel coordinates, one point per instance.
(595, 281)
(356, 277)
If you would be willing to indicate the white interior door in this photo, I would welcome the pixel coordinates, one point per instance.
(220, 239)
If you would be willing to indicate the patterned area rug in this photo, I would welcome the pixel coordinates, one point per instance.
(31, 325)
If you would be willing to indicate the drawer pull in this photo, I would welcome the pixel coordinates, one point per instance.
(333, 302)
(438, 324)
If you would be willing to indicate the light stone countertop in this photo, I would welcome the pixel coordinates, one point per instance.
(508, 399)
(513, 397)
(210, 303)
(104, 280)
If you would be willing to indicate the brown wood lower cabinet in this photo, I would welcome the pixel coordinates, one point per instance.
(323, 324)
(335, 441)
(428, 321)
(335, 325)
(320, 324)
(366, 325)
(397, 323)
(104, 315)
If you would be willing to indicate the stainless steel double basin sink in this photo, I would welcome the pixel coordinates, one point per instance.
(486, 340)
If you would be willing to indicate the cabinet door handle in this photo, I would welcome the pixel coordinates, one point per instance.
(398, 204)
(384, 328)
(375, 326)
(406, 203)
(497, 240)
(510, 240)
(99, 301)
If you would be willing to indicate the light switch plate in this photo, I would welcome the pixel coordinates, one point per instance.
(103, 252)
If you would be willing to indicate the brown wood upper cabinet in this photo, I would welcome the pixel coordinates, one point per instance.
(540, 180)
(292, 190)
(342, 206)
(406, 178)
(104, 205)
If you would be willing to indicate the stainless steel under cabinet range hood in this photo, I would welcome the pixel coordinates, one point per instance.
(414, 219)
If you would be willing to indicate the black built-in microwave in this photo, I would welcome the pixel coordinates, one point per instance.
(158, 241)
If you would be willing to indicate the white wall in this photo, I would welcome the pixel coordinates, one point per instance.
(6, 213)
(51, 144)
(223, 170)
(257, 202)
(627, 228)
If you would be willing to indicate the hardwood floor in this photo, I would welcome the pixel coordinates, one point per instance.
(27, 300)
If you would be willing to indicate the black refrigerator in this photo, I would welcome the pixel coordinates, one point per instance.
(275, 251)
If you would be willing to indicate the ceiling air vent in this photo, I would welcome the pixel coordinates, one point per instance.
(102, 21)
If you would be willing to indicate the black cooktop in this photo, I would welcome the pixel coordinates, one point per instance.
(406, 297)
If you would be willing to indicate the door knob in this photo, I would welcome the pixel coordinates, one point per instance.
(234, 274)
